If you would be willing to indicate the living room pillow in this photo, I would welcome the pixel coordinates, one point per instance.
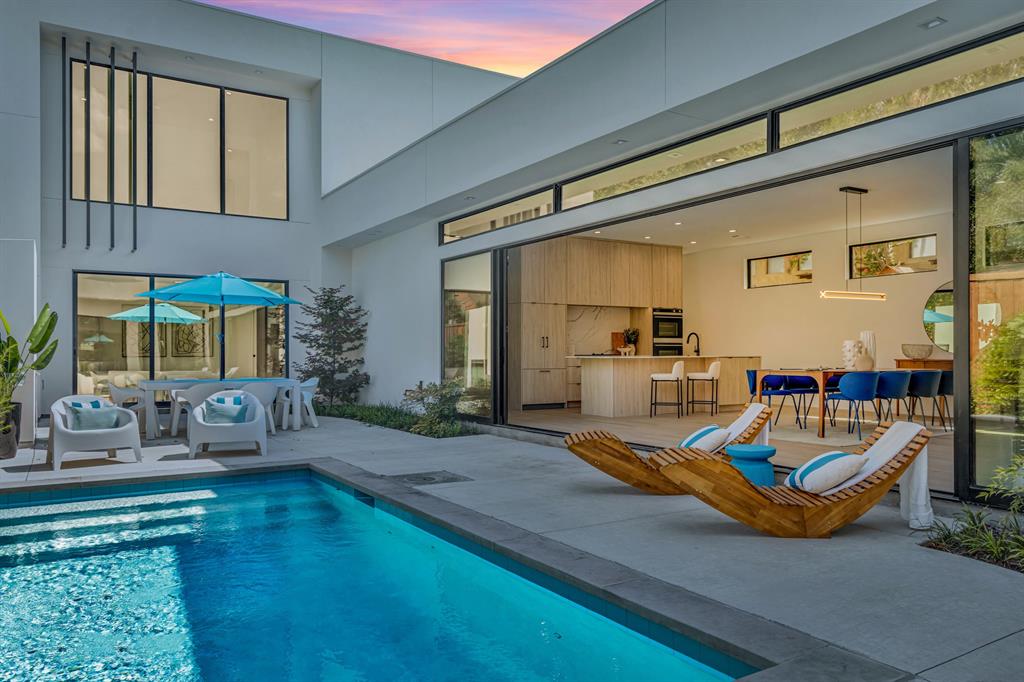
(89, 418)
(709, 438)
(224, 413)
(825, 471)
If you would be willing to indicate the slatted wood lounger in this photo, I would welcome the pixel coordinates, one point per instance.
(779, 510)
(607, 452)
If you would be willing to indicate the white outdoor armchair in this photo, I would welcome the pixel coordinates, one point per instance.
(63, 440)
(253, 429)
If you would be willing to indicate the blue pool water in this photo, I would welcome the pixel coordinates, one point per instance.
(286, 580)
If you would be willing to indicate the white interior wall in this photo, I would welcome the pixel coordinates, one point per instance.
(791, 326)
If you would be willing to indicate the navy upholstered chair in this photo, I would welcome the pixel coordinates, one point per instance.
(942, 401)
(772, 385)
(891, 386)
(857, 389)
(924, 383)
(805, 388)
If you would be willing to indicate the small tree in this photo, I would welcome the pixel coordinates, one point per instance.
(334, 334)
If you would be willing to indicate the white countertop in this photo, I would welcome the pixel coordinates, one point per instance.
(654, 357)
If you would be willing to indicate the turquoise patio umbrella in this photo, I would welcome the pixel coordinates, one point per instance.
(933, 316)
(219, 289)
(162, 312)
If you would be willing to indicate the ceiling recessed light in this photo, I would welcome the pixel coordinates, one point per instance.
(227, 92)
(210, 120)
(720, 160)
(470, 198)
(678, 223)
(597, 231)
(620, 141)
(189, 58)
(932, 23)
(647, 236)
(674, 155)
(731, 231)
(230, 149)
(259, 72)
(693, 242)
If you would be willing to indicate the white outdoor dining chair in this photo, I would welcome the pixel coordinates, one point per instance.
(125, 434)
(266, 393)
(185, 399)
(202, 433)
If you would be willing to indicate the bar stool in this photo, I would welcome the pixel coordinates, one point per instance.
(714, 371)
(673, 377)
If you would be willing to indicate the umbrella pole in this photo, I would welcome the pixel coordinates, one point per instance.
(221, 336)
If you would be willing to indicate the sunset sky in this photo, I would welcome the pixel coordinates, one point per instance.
(511, 36)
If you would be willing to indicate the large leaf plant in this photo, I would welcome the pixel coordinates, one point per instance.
(18, 359)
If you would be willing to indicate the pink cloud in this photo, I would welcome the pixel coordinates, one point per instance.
(513, 36)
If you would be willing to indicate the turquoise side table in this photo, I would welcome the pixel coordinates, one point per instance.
(752, 461)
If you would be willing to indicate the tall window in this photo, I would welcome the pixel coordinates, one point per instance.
(468, 356)
(99, 118)
(997, 301)
(186, 145)
(116, 344)
(195, 155)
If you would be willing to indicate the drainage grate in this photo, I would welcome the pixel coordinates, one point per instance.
(429, 477)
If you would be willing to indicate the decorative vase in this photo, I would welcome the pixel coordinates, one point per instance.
(852, 349)
(867, 338)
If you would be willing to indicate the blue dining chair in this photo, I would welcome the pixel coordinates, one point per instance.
(891, 386)
(924, 383)
(946, 394)
(805, 388)
(856, 388)
(772, 385)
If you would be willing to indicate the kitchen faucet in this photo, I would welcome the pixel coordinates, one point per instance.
(697, 349)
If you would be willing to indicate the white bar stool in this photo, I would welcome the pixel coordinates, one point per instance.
(712, 375)
(673, 377)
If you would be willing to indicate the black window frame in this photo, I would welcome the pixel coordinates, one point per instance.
(153, 276)
(851, 247)
(773, 131)
(148, 141)
(750, 287)
(556, 207)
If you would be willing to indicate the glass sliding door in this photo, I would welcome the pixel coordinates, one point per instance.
(466, 335)
(996, 301)
(111, 351)
(187, 336)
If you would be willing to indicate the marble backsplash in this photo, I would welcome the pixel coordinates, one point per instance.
(590, 328)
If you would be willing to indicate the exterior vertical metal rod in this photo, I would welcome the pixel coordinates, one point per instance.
(111, 112)
(64, 141)
(87, 140)
(223, 160)
(134, 162)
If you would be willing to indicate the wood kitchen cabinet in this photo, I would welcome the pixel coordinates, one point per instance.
(542, 336)
(537, 272)
(589, 272)
(667, 277)
(543, 387)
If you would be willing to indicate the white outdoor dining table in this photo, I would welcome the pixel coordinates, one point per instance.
(150, 387)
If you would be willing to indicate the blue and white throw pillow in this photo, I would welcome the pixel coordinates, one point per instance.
(220, 411)
(92, 417)
(709, 438)
(90, 405)
(825, 471)
(223, 400)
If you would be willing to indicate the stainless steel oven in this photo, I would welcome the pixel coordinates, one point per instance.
(668, 324)
(668, 349)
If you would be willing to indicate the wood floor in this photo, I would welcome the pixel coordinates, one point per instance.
(794, 446)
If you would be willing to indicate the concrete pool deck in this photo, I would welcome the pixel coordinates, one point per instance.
(868, 604)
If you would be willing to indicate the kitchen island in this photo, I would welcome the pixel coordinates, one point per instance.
(620, 385)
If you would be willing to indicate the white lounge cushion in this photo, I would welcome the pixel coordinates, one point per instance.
(826, 471)
(709, 438)
(885, 448)
(747, 418)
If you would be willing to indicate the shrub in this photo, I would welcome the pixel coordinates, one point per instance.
(427, 410)
(974, 534)
(382, 414)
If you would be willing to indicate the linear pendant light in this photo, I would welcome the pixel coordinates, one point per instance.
(846, 294)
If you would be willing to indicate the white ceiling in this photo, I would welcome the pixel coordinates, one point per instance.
(911, 187)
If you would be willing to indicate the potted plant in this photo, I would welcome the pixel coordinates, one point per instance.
(16, 361)
(631, 335)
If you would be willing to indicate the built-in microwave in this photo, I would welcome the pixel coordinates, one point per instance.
(668, 349)
(668, 323)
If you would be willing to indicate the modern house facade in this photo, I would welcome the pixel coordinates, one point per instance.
(742, 170)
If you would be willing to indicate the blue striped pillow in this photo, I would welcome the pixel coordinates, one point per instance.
(825, 471)
(690, 440)
(236, 400)
(91, 405)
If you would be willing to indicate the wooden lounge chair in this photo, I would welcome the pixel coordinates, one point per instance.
(780, 510)
(607, 452)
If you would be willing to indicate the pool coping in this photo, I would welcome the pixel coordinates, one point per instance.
(781, 653)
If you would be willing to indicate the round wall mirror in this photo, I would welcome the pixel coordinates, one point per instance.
(938, 317)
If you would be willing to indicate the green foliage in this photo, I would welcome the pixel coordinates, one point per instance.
(437, 407)
(1007, 483)
(334, 333)
(16, 359)
(999, 371)
(973, 533)
(631, 335)
(428, 410)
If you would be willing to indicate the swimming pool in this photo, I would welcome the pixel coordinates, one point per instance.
(286, 579)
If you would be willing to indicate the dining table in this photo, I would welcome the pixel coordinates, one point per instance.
(820, 375)
(150, 387)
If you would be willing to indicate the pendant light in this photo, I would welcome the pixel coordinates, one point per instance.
(846, 294)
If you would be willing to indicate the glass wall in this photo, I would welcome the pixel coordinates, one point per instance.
(466, 338)
(114, 344)
(110, 350)
(511, 213)
(99, 117)
(186, 145)
(256, 155)
(894, 257)
(983, 67)
(997, 300)
(688, 158)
